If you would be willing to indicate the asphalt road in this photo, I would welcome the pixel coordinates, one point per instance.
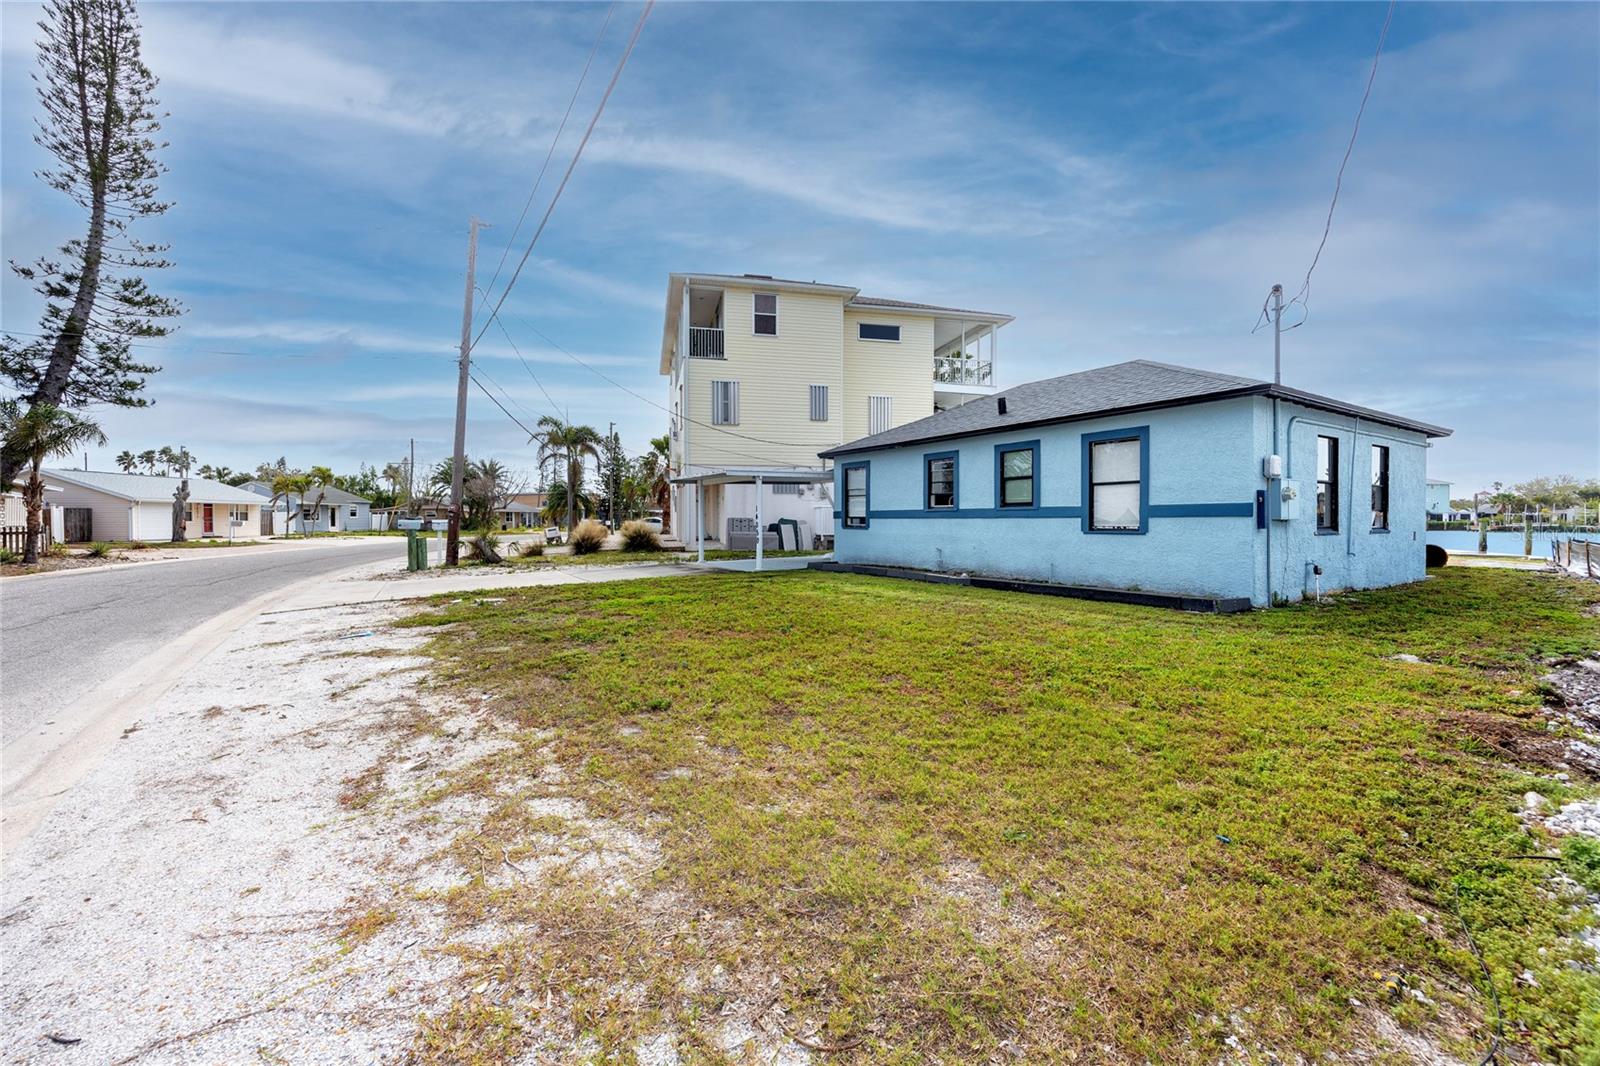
(61, 636)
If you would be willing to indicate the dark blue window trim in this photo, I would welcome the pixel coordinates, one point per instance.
(1017, 446)
(844, 498)
(955, 482)
(1142, 435)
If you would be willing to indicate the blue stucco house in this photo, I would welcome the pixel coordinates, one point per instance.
(1144, 476)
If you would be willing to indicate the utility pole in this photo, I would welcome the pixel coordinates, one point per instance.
(452, 545)
(611, 475)
(1277, 334)
(411, 475)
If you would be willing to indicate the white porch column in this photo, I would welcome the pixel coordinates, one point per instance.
(700, 518)
(760, 536)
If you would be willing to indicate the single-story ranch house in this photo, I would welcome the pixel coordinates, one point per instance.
(1145, 476)
(339, 511)
(139, 506)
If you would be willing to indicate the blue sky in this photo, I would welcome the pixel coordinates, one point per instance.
(1127, 180)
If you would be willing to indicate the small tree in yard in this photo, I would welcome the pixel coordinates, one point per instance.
(568, 444)
(285, 487)
(99, 123)
(39, 433)
(320, 478)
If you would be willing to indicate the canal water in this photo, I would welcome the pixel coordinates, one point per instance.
(1465, 542)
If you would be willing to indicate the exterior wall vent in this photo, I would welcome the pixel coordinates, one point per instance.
(1002, 405)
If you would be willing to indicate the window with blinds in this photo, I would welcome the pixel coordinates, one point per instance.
(725, 403)
(879, 416)
(819, 403)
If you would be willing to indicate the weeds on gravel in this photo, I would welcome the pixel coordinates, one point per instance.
(937, 822)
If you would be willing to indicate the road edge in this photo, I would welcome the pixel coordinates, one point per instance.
(51, 767)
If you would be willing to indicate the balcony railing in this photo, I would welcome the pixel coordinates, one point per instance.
(706, 343)
(955, 370)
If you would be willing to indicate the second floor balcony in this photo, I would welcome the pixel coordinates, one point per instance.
(956, 369)
(706, 342)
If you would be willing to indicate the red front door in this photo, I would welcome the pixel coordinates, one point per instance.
(208, 527)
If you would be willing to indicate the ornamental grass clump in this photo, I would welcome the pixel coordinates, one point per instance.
(588, 537)
(99, 549)
(639, 537)
(531, 549)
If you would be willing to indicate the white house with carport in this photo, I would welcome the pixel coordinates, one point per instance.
(139, 506)
(337, 511)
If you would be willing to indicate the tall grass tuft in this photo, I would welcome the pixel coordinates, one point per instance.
(638, 537)
(588, 537)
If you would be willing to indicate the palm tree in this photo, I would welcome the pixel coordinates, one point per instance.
(181, 460)
(147, 459)
(657, 474)
(395, 475)
(319, 478)
(555, 504)
(286, 487)
(41, 432)
(127, 461)
(165, 455)
(568, 444)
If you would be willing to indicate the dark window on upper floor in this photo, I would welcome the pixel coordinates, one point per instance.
(877, 331)
(766, 314)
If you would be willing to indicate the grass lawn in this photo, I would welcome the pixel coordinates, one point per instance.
(940, 823)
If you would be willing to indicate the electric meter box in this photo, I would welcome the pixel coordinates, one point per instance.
(1284, 499)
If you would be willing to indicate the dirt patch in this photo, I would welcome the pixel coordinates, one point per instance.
(1517, 740)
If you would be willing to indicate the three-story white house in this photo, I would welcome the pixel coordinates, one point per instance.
(764, 373)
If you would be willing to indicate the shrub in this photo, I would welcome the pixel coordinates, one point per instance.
(588, 537)
(8, 556)
(56, 550)
(137, 545)
(638, 537)
(99, 549)
(531, 549)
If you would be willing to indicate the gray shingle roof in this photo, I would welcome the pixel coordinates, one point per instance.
(153, 487)
(331, 495)
(1132, 386)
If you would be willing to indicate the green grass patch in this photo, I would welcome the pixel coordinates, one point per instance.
(951, 819)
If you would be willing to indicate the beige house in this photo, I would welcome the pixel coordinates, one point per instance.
(765, 373)
(139, 506)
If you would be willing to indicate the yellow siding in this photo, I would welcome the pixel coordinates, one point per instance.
(903, 371)
(775, 375)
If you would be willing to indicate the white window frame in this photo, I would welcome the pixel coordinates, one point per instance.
(819, 402)
(872, 414)
(724, 402)
(755, 314)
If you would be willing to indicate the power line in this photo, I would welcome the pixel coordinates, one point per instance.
(1303, 296)
(492, 398)
(571, 166)
(582, 76)
(554, 407)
